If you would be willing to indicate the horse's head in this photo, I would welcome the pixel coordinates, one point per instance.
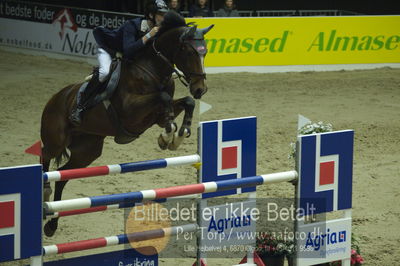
(184, 47)
(190, 58)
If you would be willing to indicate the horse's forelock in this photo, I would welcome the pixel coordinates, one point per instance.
(171, 20)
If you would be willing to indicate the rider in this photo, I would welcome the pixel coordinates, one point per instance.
(127, 39)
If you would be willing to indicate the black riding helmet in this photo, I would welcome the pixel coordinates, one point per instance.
(154, 7)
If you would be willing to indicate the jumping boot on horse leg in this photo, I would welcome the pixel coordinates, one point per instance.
(170, 126)
(85, 99)
(47, 191)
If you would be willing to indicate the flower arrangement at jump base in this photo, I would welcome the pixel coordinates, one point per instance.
(307, 129)
(273, 250)
(355, 258)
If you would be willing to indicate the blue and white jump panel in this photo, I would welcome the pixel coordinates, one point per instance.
(326, 171)
(325, 185)
(20, 212)
(228, 149)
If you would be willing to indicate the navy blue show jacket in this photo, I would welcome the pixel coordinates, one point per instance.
(127, 39)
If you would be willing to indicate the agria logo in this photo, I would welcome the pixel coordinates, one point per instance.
(326, 171)
(318, 241)
(228, 151)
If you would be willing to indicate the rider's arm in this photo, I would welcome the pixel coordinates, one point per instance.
(150, 34)
(131, 43)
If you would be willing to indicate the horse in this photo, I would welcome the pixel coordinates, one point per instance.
(142, 98)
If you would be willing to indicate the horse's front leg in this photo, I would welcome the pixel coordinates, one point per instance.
(167, 136)
(187, 103)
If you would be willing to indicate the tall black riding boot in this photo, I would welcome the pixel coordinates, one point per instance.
(76, 115)
(84, 100)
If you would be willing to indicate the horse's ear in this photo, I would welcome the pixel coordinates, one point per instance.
(188, 33)
(205, 30)
(191, 31)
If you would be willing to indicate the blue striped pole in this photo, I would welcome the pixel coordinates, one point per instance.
(119, 168)
(162, 193)
(114, 206)
(118, 239)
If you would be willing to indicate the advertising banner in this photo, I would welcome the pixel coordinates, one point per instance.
(302, 40)
(261, 41)
(54, 28)
(227, 225)
(324, 242)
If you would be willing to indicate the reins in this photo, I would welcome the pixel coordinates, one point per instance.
(181, 76)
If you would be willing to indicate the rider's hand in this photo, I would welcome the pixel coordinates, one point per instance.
(154, 31)
(150, 34)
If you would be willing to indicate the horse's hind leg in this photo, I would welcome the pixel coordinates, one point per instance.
(55, 139)
(187, 103)
(46, 186)
(84, 149)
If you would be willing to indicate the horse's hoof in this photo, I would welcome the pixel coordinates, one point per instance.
(161, 143)
(50, 229)
(178, 139)
(185, 132)
(123, 139)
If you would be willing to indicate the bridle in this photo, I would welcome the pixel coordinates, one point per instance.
(185, 78)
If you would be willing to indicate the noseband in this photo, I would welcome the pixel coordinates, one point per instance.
(185, 78)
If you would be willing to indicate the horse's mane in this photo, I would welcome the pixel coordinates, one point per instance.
(171, 20)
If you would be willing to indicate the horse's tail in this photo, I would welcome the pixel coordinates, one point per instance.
(54, 128)
(64, 155)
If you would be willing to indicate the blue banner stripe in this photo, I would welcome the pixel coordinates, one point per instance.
(240, 182)
(116, 199)
(45, 177)
(145, 165)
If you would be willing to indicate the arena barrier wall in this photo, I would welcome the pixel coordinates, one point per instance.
(226, 148)
(266, 41)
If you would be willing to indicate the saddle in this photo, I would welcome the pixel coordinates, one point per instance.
(102, 92)
(95, 91)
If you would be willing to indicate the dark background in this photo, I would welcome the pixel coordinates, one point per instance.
(367, 7)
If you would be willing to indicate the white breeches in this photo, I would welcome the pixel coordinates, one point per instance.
(104, 63)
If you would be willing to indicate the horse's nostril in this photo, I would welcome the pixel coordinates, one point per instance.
(198, 93)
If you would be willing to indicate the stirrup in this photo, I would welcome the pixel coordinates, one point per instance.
(76, 116)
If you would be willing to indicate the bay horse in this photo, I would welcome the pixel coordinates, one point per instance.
(143, 98)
